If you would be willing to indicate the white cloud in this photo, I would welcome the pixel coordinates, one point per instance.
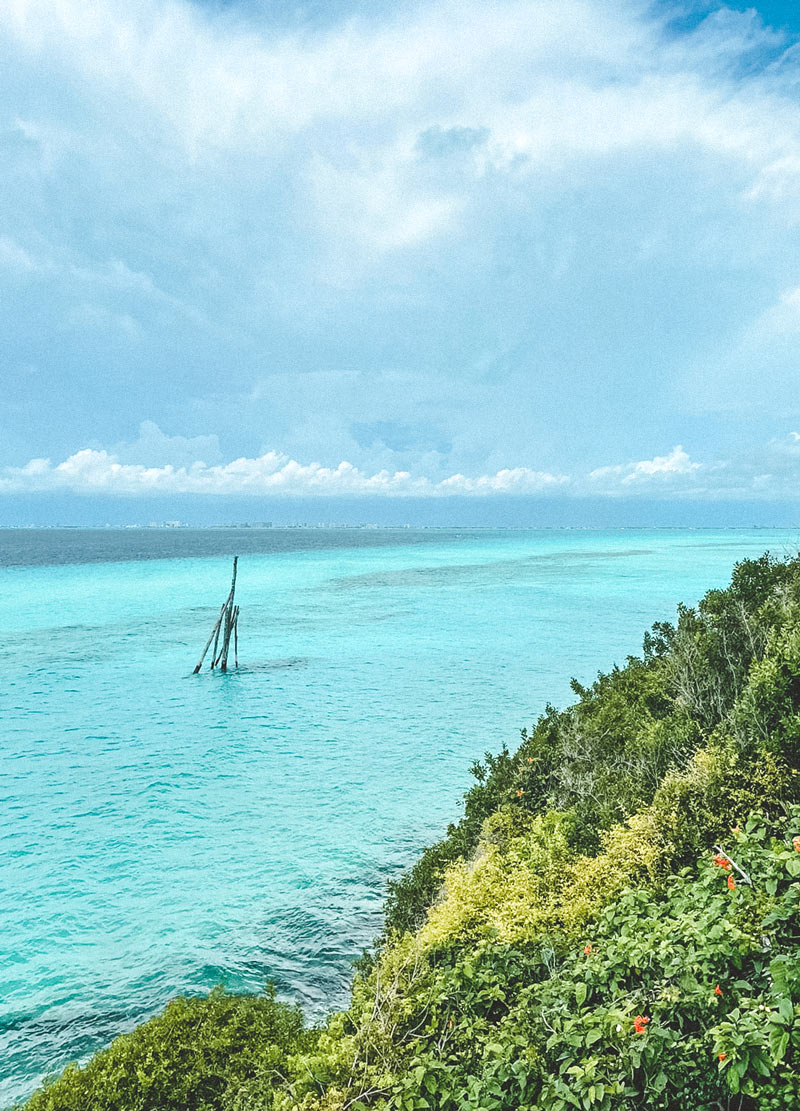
(377, 204)
(99, 472)
(217, 83)
(516, 480)
(787, 445)
(598, 79)
(153, 448)
(771, 473)
(662, 469)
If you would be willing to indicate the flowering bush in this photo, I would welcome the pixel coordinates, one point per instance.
(684, 994)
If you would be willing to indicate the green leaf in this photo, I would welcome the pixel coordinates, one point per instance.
(778, 1043)
(785, 1009)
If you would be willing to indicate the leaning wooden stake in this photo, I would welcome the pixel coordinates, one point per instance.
(214, 632)
(226, 640)
(225, 625)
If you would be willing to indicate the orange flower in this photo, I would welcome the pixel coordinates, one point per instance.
(530, 759)
(519, 793)
(731, 883)
(587, 949)
(722, 861)
(722, 1056)
(717, 990)
(796, 843)
(639, 1024)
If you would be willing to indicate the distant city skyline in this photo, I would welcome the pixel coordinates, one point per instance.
(532, 261)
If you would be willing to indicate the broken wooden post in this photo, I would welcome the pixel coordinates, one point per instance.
(214, 632)
(226, 640)
(226, 624)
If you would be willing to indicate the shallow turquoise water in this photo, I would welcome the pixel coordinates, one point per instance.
(162, 832)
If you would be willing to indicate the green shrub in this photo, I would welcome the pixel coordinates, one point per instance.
(604, 758)
(196, 1056)
(688, 995)
(410, 896)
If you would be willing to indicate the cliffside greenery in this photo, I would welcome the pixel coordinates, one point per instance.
(613, 924)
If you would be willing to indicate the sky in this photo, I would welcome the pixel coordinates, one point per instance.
(259, 254)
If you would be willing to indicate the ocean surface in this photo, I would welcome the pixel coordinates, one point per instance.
(162, 832)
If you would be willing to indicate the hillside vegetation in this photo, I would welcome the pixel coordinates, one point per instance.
(613, 924)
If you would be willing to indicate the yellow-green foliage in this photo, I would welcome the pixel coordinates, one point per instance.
(524, 891)
(522, 885)
(507, 890)
(537, 884)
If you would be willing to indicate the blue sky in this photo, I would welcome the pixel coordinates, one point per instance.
(528, 248)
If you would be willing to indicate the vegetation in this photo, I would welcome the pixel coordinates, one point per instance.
(201, 1054)
(614, 923)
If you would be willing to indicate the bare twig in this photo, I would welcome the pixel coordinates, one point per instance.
(733, 864)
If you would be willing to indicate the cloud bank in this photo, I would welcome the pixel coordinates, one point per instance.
(97, 472)
(662, 468)
(101, 473)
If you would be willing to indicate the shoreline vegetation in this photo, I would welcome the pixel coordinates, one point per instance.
(612, 924)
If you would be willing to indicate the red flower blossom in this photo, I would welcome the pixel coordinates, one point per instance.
(717, 990)
(640, 1023)
(519, 793)
(722, 1056)
(731, 883)
(796, 843)
(587, 949)
(722, 861)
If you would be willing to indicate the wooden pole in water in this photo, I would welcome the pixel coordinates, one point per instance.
(226, 624)
(214, 656)
(214, 632)
(226, 640)
(222, 658)
(236, 637)
(233, 580)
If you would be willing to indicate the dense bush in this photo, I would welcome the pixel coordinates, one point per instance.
(686, 996)
(605, 757)
(411, 895)
(201, 1054)
(571, 942)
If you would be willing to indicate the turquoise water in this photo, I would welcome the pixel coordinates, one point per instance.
(163, 832)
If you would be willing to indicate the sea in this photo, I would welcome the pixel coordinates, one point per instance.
(163, 832)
